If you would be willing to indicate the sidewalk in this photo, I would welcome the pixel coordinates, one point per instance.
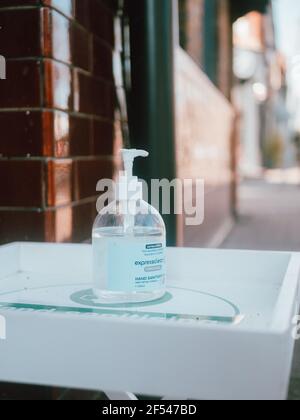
(269, 220)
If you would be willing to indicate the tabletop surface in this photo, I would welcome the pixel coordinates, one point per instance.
(205, 286)
(224, 311)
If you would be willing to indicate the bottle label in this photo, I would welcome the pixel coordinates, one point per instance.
(139, 266)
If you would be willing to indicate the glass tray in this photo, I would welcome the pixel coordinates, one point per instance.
(178, 303)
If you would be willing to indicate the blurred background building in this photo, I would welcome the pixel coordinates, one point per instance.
(201, 84)
(260, 94)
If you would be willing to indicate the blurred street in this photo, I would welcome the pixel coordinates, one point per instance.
(268, 217)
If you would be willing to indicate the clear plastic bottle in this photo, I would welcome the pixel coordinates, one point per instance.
(129, 241)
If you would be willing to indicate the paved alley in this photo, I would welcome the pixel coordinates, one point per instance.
(269, 218)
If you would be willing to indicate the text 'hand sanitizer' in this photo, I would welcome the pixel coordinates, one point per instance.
(129, 242)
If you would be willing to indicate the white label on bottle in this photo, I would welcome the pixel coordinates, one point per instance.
(137, 266)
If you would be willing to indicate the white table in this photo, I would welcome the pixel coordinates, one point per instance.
(222, 332)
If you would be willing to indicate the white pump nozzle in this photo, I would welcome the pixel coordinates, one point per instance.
(128, 158)
(129, 187)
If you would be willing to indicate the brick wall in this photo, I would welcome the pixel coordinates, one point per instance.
(225, 73)
(57, 109)
(194, 40)
(204, 127)
(191, 14)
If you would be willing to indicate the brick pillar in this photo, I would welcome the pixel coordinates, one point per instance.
(191, 14)
(57, 112)
(225, 61)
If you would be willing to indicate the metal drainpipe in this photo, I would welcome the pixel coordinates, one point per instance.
(151, 98)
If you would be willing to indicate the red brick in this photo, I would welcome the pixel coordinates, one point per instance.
(81, 136)
(71, 223)
(102, 60)
(59, 224)
(102, 21)
(103, 99)
(21, 134)
(64, 6)
(83, 219)
(23, 185)
(66, 41)
(58, 89)
(70, 135)
(57, 37)
(54, 130)
(83, 93)
(66, 135)
(87, 173)
(82, 12)
(21, 89)
(111, 4)
(66, 224)
(48, 133)
(72, 180)
(93, 96)
(59, 182)
(81, 48)
(15, 38)
(21, 226)
(191, 27)
(14, 3)
(103, 135)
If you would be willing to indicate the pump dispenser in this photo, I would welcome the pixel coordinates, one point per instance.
(129, 241)
(128, 186)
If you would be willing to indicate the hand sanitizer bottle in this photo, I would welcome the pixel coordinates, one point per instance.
(129, 242)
